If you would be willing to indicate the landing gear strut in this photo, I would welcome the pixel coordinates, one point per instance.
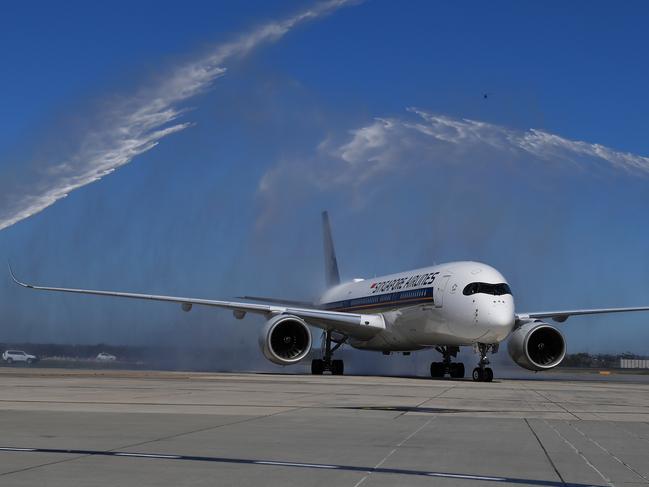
(336, 367)
(482, 373)
(440, 369)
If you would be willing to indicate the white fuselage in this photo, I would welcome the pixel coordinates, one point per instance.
(459, 303)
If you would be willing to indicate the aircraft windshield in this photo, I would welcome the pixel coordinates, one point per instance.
(484, 288)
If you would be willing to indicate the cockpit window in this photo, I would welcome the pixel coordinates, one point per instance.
(484, 288)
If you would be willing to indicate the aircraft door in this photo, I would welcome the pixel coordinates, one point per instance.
(439, 289)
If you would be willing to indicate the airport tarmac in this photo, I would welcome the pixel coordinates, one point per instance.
(93, 428)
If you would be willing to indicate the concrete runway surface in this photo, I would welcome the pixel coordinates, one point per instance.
(119, 428)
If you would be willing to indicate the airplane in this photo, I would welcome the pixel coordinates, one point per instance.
(444, 307)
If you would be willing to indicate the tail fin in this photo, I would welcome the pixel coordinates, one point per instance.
(331, 264)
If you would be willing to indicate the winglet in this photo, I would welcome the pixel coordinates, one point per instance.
(15, 279)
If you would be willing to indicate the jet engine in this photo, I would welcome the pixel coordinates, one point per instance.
(285, 339)
(537, 346)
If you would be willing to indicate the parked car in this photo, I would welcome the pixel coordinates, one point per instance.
(11, 356)
(105, 357)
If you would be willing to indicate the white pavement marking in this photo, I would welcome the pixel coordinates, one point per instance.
(290, 464)
(469, 477)
(392, 452)
(578, 452)
(145, 455)
(619, 460)
(17, 449)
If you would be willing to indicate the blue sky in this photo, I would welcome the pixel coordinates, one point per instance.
(320, 118)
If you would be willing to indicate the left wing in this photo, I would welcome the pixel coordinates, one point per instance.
(561, 316)
(351, 324)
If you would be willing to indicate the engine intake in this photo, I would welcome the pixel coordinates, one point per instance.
(285, 340)
(537, 346)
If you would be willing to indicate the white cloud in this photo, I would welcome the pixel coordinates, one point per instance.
(140, 122)
(387, 143)
(426, 133)
(397, 146)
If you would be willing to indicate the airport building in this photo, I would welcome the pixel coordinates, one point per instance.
(634, 363)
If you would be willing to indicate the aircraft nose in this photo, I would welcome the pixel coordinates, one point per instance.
(500, 318)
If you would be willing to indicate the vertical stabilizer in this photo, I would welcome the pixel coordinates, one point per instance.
(331, 264)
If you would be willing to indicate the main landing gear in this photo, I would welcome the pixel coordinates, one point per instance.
(454, 369)
(482, 373)
(336, 367)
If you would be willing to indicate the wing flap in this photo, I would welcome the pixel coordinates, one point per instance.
(286, 302)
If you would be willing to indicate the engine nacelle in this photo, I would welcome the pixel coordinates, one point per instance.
(537, 346)
(285, 340)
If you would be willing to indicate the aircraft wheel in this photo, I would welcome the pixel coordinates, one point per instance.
(488, 375)
(437, 370)
(337, 367)
(457, 370)
(317, 366)
(478, 375)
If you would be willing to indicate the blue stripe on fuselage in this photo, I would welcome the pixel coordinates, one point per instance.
(400, 298)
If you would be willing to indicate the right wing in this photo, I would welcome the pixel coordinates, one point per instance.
(350, 324)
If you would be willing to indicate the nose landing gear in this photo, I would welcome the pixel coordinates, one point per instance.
(482, 373)
(336, 367)
(454, 369)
